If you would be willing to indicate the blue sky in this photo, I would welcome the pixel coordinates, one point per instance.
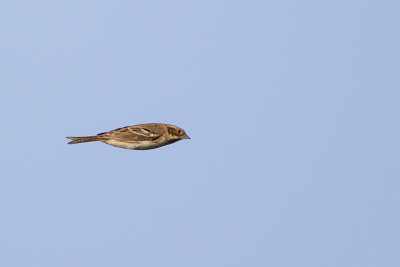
(292, 107)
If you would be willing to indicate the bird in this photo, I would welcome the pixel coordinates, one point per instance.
(137, 137)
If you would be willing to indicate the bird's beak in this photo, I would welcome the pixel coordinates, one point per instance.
(187, 137)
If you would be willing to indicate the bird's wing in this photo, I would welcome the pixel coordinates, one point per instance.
(133, 133)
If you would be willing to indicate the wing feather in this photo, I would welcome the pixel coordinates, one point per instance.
(134, 133)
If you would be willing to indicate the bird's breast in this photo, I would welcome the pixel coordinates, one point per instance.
(138, 145)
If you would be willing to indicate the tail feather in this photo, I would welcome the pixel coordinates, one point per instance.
(83, 139)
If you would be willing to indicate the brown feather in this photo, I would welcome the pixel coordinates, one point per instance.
(83, 139)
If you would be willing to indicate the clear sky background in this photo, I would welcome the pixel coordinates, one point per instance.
(292, 107)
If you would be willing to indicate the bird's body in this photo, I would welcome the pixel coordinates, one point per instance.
(139, 145)
(139, 137)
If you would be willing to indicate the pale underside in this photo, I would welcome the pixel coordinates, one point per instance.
(139, 145)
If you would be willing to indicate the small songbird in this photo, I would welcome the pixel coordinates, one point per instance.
(140, 137)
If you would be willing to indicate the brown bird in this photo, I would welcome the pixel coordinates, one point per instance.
(140, 137)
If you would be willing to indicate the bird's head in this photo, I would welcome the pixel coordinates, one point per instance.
(176, 133)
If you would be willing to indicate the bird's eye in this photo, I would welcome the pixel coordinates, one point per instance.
(179, 131)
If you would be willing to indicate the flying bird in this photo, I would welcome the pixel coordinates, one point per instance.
(140, 137)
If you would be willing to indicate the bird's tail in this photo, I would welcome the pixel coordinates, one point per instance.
(83, 139)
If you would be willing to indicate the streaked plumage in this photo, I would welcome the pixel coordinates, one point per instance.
(140, 137)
